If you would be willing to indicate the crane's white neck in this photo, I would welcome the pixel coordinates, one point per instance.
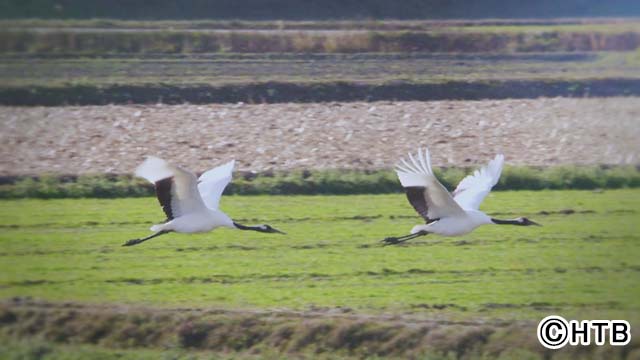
(479, 218)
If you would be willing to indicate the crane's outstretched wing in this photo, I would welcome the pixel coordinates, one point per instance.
(176, 188)
(425, 193)
(211, 184)
(474, 188)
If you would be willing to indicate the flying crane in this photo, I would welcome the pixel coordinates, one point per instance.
(190, 203)
(448, 214)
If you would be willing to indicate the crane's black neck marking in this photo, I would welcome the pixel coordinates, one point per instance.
(260, 228)
(243, 227)
(507, 222)
(522, 221)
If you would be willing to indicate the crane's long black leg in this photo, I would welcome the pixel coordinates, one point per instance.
(138, 241)
(397, 240)
(401, 239)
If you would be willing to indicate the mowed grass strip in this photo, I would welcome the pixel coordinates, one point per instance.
(583, 262)
(375, 69)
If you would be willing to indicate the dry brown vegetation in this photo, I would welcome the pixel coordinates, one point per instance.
(250, 41)
(317, 331)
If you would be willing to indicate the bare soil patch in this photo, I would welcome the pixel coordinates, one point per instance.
(358, 135)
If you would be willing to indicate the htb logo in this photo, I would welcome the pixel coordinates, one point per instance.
(555, 332)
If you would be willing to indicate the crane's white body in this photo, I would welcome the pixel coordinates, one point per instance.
(445, 214)
(193, 202)
(196, 222)
(455, 225)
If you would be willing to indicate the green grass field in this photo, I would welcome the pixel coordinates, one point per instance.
(584, 261)
(480, 294)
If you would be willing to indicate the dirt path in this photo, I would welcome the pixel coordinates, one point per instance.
(97, 139)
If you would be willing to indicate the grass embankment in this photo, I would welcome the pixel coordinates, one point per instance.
(36, 330)
(316, 182)
(478, 294)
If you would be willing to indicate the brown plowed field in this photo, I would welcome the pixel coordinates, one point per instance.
(359, 135)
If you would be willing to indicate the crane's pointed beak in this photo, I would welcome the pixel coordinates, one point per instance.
(278, 231)
(534, 223)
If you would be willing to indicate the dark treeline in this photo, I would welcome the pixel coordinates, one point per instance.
(278, 92)
(314, 9)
